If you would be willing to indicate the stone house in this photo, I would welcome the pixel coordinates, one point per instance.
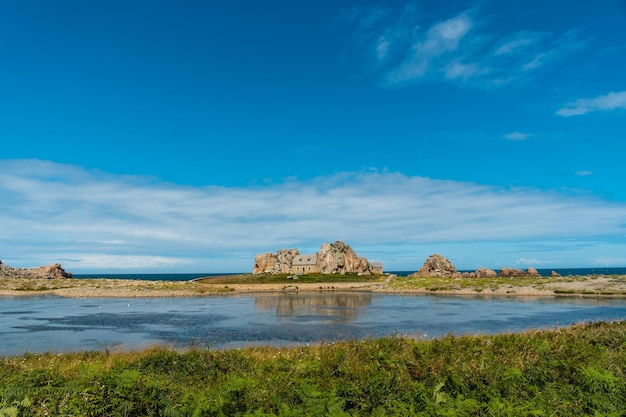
(377, 267)
(304, 264)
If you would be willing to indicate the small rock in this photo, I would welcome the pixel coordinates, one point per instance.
(532, 272)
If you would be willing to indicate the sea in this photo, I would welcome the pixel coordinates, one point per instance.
(192, 276)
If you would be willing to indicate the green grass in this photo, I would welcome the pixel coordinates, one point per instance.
(509, 285)
(480, 284)
(559, 291)
(574, 371)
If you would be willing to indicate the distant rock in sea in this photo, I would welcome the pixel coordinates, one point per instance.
(54, 271)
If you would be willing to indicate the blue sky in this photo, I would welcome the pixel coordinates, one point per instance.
(188, 136)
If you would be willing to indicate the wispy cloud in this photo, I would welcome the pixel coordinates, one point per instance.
(517, 136)
(440, 39)
(532, 262)
(608, 102)
(519, 42)
(611, 261)
(584, 173)
(93, 220)
(405, 49)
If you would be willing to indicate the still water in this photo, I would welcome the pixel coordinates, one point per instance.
(49, 323)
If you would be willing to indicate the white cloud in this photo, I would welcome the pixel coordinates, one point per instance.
(405, 49)
(608, 102)
(517, 136)
(611, 261)
(518, 42)
(532, 262)
(584, 173)
(382, 49)
(53, 211)
(463, 71)
(127, 262)
(445, 36)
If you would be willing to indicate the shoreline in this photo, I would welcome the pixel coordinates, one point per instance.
(594, 286)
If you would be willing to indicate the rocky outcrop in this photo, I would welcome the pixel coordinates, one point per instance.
(511, 273)
(279, 263)
(514, 273)
(437, 266)
(333, 258)
(340, 258)
(54, 271)
(480, 273)
(554, 274)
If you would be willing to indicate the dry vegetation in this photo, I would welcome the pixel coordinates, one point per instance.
(597, 285)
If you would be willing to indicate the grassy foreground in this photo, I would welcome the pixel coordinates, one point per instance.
(572, 371)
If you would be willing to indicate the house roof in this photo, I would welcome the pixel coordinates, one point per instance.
(305, 260)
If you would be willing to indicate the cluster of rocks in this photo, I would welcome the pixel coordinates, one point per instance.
(278, 263)
(438, 266)
(333, 258)
(54, 271)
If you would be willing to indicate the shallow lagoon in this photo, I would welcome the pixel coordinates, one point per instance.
(49, 323)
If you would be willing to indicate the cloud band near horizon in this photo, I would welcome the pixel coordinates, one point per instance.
(92, 220)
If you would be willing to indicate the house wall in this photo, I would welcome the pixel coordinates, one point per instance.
(304, 264)
(304, 269)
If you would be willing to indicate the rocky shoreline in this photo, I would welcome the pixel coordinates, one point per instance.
(437, 276)
(54, 271)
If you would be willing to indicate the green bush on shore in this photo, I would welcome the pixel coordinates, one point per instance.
(573, 371)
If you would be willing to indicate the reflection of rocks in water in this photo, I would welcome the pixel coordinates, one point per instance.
(341, 306)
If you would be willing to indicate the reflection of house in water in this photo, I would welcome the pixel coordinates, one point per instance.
(304, 264)
(331, 305)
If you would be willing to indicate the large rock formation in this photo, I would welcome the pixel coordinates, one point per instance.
(437, 266)
(333, 258)
(279, 263)
(54, 271)
(340, 258)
